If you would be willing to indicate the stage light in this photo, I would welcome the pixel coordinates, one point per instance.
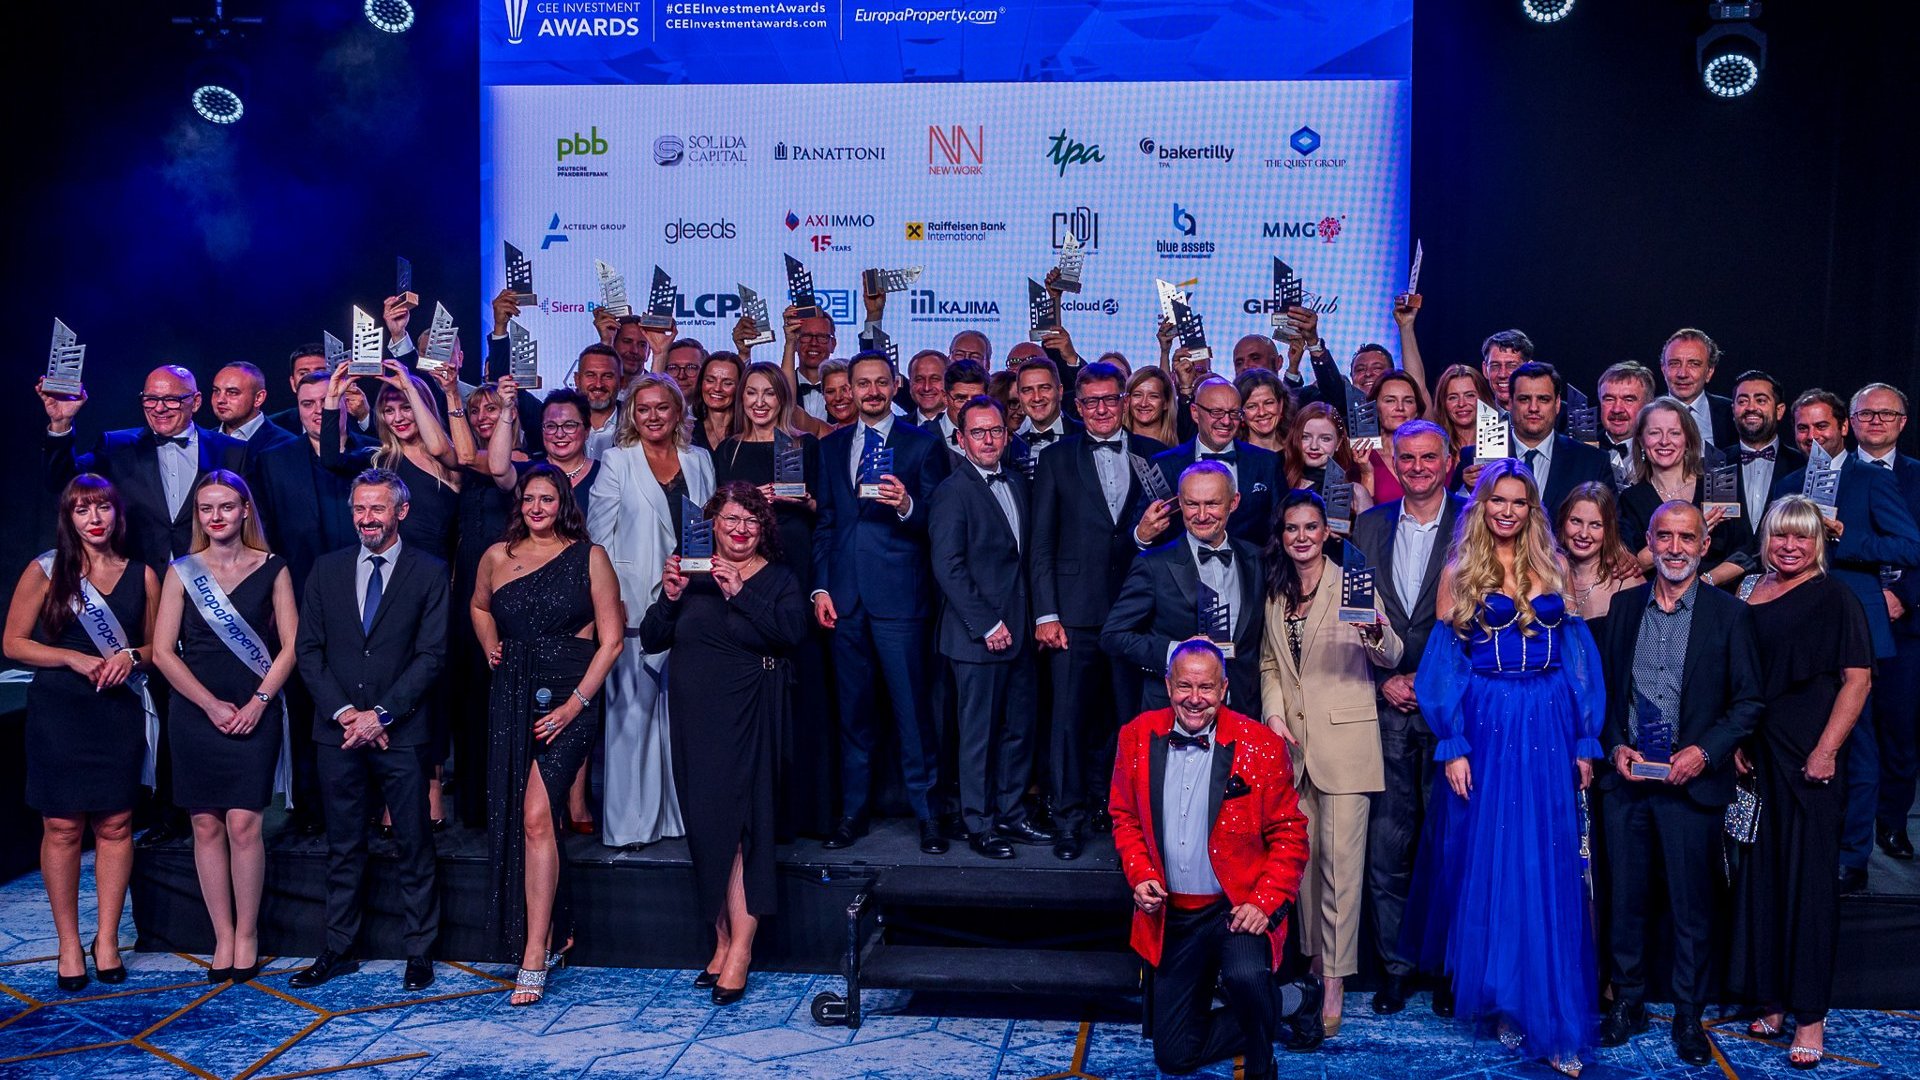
(1546, 11)
(393, 16)
(217, 104)
(1733, 52)
(218, 80)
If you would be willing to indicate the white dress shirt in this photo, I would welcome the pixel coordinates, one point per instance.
(246, 431)
(179, 465)
(813, 404)
(1184, 801)
(1222, 578)
(1702, 409)
(363, 572)
(599, 439)
(1756, 479)
(1542, 464)
(1058, 429)
(1412, 551)
(1201, 450)
(1113, 468)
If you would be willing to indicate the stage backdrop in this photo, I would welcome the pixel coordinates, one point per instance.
(1187, 142)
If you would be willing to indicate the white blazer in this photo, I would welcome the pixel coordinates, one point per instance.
(630, 518)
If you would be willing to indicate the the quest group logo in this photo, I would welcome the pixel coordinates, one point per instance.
(701, 149)
(956, 151)
(1167, 155)
(1063, 151)
(1305, 144)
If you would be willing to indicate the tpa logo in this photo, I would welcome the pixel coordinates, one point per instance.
(1065, 151)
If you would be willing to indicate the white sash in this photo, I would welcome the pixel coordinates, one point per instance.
(216, 607)
(109, 640)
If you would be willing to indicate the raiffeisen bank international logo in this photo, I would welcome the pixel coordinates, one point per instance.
(610, 18)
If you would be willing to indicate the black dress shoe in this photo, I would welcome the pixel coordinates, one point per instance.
(1024, 833)
(1896, 844)
(246, 974)
(327, 965)
(1392, 995)
(1626, 1019)
(1307, 1031)
(1443, 998)
(419, 973)
(844, 833)
(114, 975)
(932, 841)
(953, 827)
(1853, 879)
(991, 846)
(1068, 847)
(723, 996)
(1690, 1040)
(706, 980)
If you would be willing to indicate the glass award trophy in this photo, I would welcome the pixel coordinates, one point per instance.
(659, 313)
(1072, 260)
(64, 361)
(754, 306)
(1356, 590)
(1152, 480)
(403, 282)
(1287, 295)
(1822, 480)
(880, 341)
(613, 290)
(875, 282)
(336, 350)
(1654, 740)
(520, 278)
(1490, 435)
(1216, 620)
(696, 539)
(789, 467)
(366, 345)
(1168, 293)
(1583, 418)
(876, 461)
(442, 336)
(1042, 317)
(1722, 484)
(1339, 499)
(1193, 335)
(523, 356)
(1363, 422)
(800, 289)
(1413, 280)
(1023, 458)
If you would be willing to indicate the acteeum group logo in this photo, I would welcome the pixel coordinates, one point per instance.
(1066, 151)
(955, 150)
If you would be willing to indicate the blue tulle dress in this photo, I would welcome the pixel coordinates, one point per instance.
(1499, 891)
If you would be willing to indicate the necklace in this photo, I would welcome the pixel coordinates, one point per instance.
(1581, 596)
(578, 469)
(1669, 495)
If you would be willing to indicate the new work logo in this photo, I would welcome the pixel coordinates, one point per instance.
(955, 151)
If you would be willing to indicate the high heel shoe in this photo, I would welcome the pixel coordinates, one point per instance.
(112, 976)
(218, 975)
(246, 974)
(723, 996)
(71, 983)
(706, 980)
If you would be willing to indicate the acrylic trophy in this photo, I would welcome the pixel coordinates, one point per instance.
(64, 362)
(1042, 317)
(1072, 260)
(1287, 295)
(876, 461)
(1338, 494)
(754, 306)
(875, 282)
(696, 539)
(1356, 590)
(523, 356)
(335, 349)
(880, 341)
(1722, 484)
(1583, 418)
(1410, 297)
(1216, 620)
(520, 278)
(659, 313)
(789, 467)
(1363, 422)
(800, 289)
(442, 336)
(1822, 480)
(1168, 293)
(1152, 480)
(613, 290)
(366, 345)
(1654, 740)
(403, 282)
(1193, 335)
(1490, 435)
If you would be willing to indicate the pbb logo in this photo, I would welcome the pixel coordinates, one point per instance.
(588, 145)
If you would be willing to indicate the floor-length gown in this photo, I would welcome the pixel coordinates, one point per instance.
(1786, 916)
(213, 770)
(542, 660)
(1499, 901)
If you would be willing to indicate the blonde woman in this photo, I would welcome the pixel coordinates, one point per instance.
(1669, 462)
(1515, 696)
(1150, 406)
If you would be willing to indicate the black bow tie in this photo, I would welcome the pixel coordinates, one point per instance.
(1180, 741)
(1106, 444)
(1619, 449)
(1041, 438)
(1747, 455)
(1224, 555)
(808, 388)
(1228, 456)
(996, 477)
(177, 440)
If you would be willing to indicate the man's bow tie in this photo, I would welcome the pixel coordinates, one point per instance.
(1757, 455)
(177, 440)
(1224, 455)
(1106, 444)
(1224, 555)
(808, 388)
(996, 477)
(1180, 741)
(1041, 438)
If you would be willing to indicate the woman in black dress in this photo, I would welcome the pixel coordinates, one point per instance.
(225, 728)
(716, 399)
(731, 633)
(546, 609)
(1816, 658)
(88, 727)
(1669, 462)
(809, 755)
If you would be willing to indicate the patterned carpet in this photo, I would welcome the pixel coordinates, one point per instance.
(166, 1021)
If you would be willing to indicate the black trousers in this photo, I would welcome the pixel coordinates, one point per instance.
(1651, 824)
(1898, 724)
(1394, 821)
(1089, 692)
(996, 742)
(1198, 952)
(401, 773)
(301, 748)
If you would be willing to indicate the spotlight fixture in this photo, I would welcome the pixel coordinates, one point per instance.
(218, 104)
(217, 82)
(392, 16)
(1733, 52)
(1546, 11)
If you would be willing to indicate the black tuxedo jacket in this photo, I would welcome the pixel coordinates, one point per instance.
(979, 566)
(1906, 474)
(392, 667)
(1159, 605)
(304, 506)
(1720, 696)
(1259, 487)
(1412, 617)
(1574, 463)
(863, 552)
(1880, 531)
(1080, 555)
(130, 458)
(1720, 408)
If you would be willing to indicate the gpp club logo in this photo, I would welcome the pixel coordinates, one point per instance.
(614, 18)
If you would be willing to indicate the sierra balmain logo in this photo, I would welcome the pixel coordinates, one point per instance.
(803, 152)
(955, 151)
(1305, 144)
(955, 232)
(1167, 155)
(610, 18)
(671, 150)
(1326, 230)
(925, 306)
(1064, 151)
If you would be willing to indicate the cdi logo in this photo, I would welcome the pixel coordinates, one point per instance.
(1082, 222)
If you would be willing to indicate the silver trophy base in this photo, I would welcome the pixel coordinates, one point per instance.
(871, 491)
(696, 566)
(1650, 770)
(62, 387)
(789, 491)
(1358, 616)
(362, 370)
(526, 299)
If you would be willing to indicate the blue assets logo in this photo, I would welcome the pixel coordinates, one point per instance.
(1183, 222)
(1305, 141)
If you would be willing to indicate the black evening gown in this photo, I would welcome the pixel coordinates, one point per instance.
(808, 798)
(85, 747)
(213, 771)
(1786, 923)
(728, 698)
(484, 512)
(538, 617)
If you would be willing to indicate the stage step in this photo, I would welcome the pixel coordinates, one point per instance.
(1000, 971)
(998, 887)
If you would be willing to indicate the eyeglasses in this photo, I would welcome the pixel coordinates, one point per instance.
(164, 402)
(739, 522)
(1879, 416)
(809, 336)
(1220, 414)
(563, 427)
(999, 432)
(1101, 403)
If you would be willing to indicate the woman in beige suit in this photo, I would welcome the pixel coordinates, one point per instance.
(1317, 694)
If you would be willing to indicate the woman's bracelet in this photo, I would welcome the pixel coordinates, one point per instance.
(585, 702)
(457, 414)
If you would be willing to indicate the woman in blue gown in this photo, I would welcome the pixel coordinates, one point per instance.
(1516, 698)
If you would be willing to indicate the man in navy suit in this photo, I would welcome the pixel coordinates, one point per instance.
(1255, 472)
(239, 391)
(1877, 533)
(875, 594)
(1687, 362)
(1559, 464)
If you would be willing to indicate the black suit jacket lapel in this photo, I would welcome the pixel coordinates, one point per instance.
(1217, 783)
(1436, 559)
(1389, 591)
(1157, 792)
(390, 588)
(1186, 576)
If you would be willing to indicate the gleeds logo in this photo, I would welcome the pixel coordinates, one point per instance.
(614, 18)
(1167, 155)
(956, 151)
(1326, 230)
(675, 231)
(1063, 151)
(1305, 143)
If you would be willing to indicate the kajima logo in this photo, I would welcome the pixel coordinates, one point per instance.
(925, 306)
(954, 151)
(1065, 151)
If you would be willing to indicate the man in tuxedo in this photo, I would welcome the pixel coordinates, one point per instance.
(239, 390)
(1758, 408)
(1210, 836)
(1623, 389)
(927, 388)
(1558, 463)
(1086, 501)
(1500, 355)
(373, 637)
(870, 558)
(1687, 362)
(1038, 384)
(980, 530)
(964, 380)
(1877, 534)
(1255, 472)
(1159, 603)
(1407, 542)
(1683, 687)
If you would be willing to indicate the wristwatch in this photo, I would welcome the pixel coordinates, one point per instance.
(382, 715)
(263, 699)
(133, 651)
